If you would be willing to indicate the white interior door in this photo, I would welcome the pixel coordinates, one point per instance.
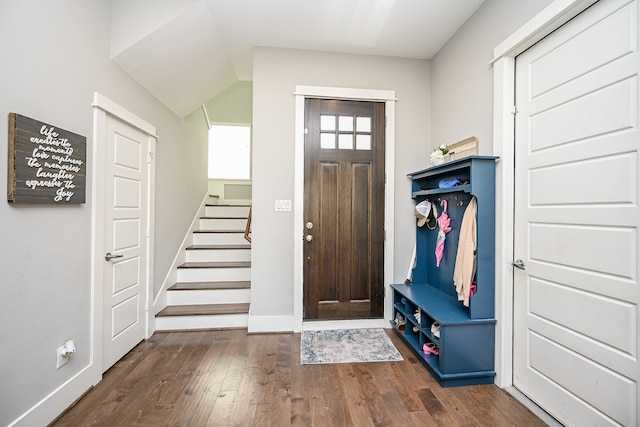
(126, 213)
(577, 219)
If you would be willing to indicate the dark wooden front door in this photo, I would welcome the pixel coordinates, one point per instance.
(344, 209)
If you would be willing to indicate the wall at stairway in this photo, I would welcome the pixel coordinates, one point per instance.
(276, 74)
(55, 55)
(234, 105)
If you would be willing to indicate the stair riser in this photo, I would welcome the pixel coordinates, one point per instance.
(218, 238)
(214, 296)
(230, 218)
(213, 274)
(222, 224)
(218, 321)
(233, 211)
(221, 255)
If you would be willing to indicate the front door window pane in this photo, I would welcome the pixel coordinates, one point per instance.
(345, 123)
(328, 140)
(327, 122)
(363, 124)
(363, 142)
(345, 141)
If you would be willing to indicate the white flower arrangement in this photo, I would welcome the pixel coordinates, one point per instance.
(437, 156)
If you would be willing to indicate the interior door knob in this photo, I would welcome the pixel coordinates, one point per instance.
(519, 264)
(109, 256)
(309, 238)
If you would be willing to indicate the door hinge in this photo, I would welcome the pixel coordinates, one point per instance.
(306, 131)
(514, 110)
(149, 157)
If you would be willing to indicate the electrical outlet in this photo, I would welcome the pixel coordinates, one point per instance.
(61, 357)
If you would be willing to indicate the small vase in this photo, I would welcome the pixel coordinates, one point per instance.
(438, 162)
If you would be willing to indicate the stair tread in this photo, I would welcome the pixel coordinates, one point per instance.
(219, 231)
(204, 309)
(189, 286)
(223, 264)
(224, 217)
(221, 246)
(228, 285)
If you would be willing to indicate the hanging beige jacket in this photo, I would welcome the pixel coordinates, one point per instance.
(465, 268)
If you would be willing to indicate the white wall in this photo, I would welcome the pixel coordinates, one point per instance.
(462, 77)
(276, 74)
(462, 105)
(133, 20)
(234, 105)
(55, 55)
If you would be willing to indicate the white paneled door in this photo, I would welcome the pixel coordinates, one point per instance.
(126, 207)
(577, 219)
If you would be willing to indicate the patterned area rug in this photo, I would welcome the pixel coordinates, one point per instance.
(347, 346)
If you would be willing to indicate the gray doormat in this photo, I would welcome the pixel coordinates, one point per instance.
(347, 346)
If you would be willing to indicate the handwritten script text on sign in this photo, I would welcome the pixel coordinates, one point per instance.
(55, 153)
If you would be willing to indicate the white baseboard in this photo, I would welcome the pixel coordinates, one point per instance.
(49, 408)
(530, 405)
(267, 324)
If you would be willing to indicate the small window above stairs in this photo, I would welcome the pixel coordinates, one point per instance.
(214, 284)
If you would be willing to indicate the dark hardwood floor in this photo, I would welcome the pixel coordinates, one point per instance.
(229, 378)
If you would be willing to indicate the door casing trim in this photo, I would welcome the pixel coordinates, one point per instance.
(103, 106)
(389, 98)
(549, 19)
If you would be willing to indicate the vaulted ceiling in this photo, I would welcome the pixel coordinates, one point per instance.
(185, 52)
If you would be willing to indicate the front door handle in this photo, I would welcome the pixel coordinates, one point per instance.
(519, 264)
(109, 256)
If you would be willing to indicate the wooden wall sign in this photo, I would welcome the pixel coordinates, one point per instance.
(46, 164)
(465, 148)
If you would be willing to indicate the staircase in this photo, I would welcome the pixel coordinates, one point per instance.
(214, 284)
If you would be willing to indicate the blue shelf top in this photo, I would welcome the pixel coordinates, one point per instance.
(452, 164)
(438, 305)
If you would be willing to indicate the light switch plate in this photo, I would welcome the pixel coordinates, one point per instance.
(283, 205)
